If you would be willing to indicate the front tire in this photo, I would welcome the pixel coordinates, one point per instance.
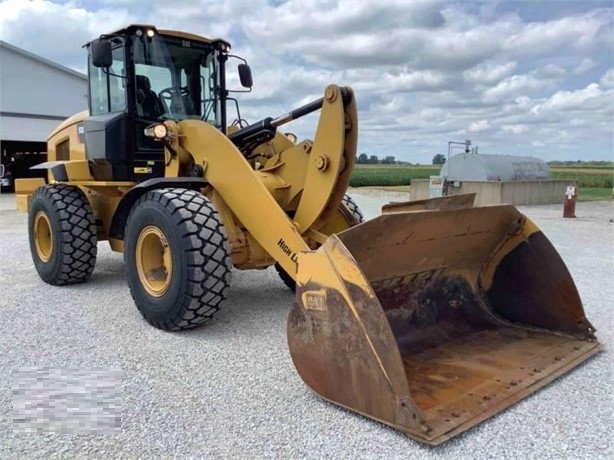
(177, 259)
(62, 234)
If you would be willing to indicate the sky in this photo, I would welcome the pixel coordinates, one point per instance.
(515, 77)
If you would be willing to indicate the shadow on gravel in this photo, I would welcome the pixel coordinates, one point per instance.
(106, 279)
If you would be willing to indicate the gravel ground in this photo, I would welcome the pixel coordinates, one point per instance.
(229, 389)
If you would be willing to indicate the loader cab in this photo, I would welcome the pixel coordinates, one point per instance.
(139, 76)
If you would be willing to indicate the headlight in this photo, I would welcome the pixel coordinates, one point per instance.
(157, 131)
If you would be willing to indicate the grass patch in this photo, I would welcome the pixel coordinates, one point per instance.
(595, 182)
(586, 177)
(390, 175)
(594, 194)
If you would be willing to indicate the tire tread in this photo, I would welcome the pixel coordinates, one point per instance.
(78, 233)
(204, 242)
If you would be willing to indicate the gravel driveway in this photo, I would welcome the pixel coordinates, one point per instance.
(229, 389)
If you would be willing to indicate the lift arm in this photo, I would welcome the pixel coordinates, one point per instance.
(226, 169)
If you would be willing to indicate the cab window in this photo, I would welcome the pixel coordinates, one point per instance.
(108, 86)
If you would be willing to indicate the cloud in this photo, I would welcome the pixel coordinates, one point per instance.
(517, 85)
(575, 32)
(515, 129)
(584, 66)
(587, 98)
(607, 80)
(424, 73)
(478, 126)
(488, 73)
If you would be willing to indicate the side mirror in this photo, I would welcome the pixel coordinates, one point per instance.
(101, 53)
(245, 76)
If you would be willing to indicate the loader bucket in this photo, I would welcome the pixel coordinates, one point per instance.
(433, 320)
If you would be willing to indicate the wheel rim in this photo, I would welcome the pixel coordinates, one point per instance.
(43, 240)
(153, 261)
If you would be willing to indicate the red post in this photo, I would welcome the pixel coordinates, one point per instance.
(569, 202)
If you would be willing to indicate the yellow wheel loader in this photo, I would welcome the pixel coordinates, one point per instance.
(430, 318)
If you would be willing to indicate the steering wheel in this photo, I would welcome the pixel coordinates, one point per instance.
(172, 98)
(172, 94)
(172, 91)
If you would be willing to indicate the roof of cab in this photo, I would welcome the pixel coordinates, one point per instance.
(172, 33)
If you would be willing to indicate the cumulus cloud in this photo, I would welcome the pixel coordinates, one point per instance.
(587, 98)
(424, 72)
(584, 66)
(489, 73)
(55, 31)
(517, 85)
(515, 129)
(478, 126)
(575, 32)
(607, 80)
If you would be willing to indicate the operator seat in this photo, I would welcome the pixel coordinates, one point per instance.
(148, 104)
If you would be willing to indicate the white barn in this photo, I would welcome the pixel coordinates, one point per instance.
(36, 94)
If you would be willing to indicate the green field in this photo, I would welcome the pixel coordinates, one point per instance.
(595, 194)
(390, 175)
(589, 177)
(595, 181)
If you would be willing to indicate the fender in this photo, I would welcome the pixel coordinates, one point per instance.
(120, 216)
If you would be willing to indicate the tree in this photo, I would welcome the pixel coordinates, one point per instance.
(388, 160)
(373, 160)
(439, 159)
(362, 159)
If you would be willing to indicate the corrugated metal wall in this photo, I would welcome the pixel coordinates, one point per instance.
(501, 192)
(472, 166)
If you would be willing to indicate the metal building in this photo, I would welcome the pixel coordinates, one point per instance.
(478, 167)
(35, 96)
(495, 179)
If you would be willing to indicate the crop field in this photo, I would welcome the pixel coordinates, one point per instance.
(390, 175)
(590, 176)
(595, 181)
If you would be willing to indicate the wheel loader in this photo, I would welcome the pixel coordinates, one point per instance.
(430, 318)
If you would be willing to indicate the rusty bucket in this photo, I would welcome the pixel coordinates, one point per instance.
(433, 318)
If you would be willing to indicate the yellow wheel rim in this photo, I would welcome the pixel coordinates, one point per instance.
(153, 261)
(43, 236)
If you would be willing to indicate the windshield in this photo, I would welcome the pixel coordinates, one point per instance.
(176, 79)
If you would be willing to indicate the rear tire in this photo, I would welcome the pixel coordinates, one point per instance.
(287, 279)
(353, 215)
(177, 259)
(353, 210)
(62, 234)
